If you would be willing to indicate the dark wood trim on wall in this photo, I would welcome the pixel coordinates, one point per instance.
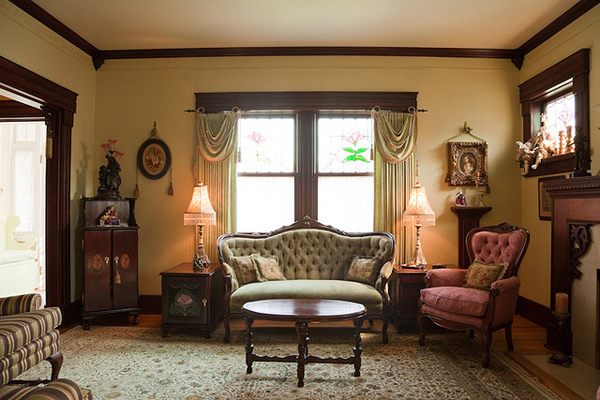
(535, 312)
(99, 56)
(557, 25)
(150, 304)
(310, 51)
(10, 110)
(58, 105)
(305, 101)
(61, 29)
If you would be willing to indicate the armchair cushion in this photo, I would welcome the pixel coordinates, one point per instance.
(20, 304)
(60, 389)
(459, 300)
(18, 330)
(481, 275)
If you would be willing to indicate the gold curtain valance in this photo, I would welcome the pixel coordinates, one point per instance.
(395, 135)
(217, 135)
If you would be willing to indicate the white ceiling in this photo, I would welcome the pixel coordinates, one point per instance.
(156, 24)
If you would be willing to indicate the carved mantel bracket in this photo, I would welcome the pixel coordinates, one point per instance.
(579, 241)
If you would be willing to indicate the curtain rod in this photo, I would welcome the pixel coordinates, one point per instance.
(190, 110)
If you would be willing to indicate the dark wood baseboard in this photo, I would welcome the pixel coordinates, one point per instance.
(150, 304)
(533, 311)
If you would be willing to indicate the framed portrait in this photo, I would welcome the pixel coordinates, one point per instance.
(544, 200)
(154, 158)
(467, 164)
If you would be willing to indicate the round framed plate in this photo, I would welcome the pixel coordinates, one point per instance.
(154, 158)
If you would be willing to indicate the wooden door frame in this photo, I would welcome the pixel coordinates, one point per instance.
(58, 105)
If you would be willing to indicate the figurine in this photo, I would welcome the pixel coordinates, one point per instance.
(109, 218)
(199, 262)
(460, 198)
(108, 175)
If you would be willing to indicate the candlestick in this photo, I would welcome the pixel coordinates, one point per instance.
(562, 303)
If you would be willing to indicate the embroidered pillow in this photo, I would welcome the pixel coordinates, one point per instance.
(244, 268)
(481, 275)
(268, 268)
(363, 269)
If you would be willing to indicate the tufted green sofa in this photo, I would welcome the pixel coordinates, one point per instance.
(313, 258)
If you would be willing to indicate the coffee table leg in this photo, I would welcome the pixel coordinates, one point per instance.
(249, 345)
(302, 332)
(357, 349)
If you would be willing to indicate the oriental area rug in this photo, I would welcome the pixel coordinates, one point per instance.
(137, 363)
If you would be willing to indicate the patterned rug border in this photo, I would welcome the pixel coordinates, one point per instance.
(179, 338)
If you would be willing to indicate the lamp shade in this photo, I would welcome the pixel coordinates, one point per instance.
(200, 211)
(418, 211)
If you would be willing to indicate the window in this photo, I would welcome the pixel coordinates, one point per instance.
(345, 172)
(305, 154)
(561, 93)
(266, 172)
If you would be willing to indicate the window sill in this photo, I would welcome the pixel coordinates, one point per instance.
(553, 165)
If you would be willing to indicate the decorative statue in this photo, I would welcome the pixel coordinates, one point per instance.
(108, 176)
(109, 218)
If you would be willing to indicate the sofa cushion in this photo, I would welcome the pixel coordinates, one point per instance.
(363, 269)
(26, 357)
(457, 300)
(308, 289)
(268, 268)
(245, 270)
(59, 389)
(20, 329)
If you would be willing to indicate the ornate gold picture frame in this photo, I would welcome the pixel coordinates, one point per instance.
(467, 164)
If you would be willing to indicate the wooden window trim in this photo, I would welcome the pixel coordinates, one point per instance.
(308, 107)
(570, 75)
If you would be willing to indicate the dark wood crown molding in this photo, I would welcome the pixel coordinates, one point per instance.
(99, 56)
(309, 51)
(557, 25)
(306, 101)
(61, 29)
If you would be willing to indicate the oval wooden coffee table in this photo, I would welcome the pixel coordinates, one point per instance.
(303, 311)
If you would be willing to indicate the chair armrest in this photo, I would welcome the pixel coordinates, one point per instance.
(445, 277)
(504, 295)
(20, 304)
(59, 388)
(384, 275)
(229, 271)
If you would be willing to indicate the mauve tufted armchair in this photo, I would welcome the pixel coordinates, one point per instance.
(454, 307)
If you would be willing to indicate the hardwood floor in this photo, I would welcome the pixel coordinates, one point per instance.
(528, 338)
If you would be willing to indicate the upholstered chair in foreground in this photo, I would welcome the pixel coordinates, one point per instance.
(28, 335)
(450, 305)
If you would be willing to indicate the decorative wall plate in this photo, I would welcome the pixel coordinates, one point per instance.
(154, 158)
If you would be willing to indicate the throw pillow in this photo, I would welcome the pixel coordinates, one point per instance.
(268, 268)
(244, 268)
(481, 275)
(363, 269)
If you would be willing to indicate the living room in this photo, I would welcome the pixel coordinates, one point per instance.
(122, 98)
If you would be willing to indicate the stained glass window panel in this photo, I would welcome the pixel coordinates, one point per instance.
(266, 145)
(346, 202)
(345, 145)
(560, 113)
(264, 203)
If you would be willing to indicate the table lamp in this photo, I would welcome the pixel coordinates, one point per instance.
(200, 212)
(418, 213)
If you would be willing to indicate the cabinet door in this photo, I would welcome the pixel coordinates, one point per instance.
(97, 246)
(125, 264)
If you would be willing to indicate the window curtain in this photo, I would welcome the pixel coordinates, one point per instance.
(216, 168)
(395, 171)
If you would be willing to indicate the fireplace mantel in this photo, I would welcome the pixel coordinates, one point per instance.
(575, 206)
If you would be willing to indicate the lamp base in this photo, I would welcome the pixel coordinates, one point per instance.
(418, 258)
(201, 260)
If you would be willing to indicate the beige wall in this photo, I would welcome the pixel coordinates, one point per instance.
(28, 43)
(131, 94)
(583, 33)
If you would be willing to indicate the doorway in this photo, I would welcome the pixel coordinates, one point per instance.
(23, 208)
